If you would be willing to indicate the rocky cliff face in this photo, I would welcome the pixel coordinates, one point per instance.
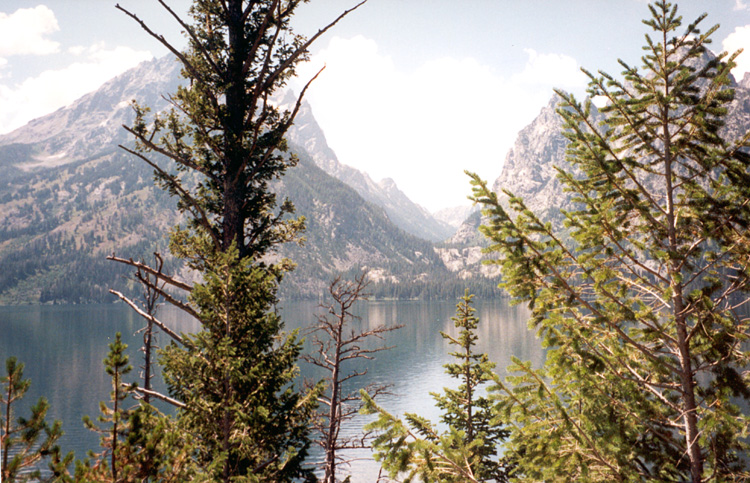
(529, 167)
(93, 124)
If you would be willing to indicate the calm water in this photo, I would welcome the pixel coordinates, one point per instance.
(63, 348)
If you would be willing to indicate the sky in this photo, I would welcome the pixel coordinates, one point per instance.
(414, 90)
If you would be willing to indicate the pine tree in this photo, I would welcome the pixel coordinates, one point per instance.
(138, 442)
(463, 408)
(636, 296)
(468, 450)
(218, 151)
(25, 442)
(116, 417)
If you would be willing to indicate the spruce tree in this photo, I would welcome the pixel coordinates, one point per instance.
(138, 442)
(219, 150)
(636, 297)
(467, 451)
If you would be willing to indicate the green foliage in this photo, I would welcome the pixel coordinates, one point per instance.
(462, 408)
(115, 418)
(224, 143)
(636, 297)
(238, 373)
(467, 450)
(25, 442)
(138, 443)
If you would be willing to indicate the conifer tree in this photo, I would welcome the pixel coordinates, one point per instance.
(138, 442)
(25, 442)
(636, 297)
(218, 150)
(468, 450)
(108, 465)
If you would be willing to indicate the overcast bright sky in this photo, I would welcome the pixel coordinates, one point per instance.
(415, 90)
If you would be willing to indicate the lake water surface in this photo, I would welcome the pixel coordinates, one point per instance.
(63, 348)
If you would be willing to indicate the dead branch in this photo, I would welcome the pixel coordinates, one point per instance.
(149, 317)
(157, 395)
(141, 266)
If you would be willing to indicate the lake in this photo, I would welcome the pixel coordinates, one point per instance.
(63, 347)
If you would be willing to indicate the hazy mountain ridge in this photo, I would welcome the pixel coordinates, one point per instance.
(403, 212)
(95, 120)
(69, 197)
(456, 215)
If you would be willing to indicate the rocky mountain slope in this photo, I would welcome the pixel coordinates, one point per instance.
(528, 172)
(69, 197)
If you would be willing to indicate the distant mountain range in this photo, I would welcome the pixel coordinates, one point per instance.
(405, 214)
(69, 197)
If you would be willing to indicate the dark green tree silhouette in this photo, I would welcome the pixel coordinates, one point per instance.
(26, 442)
(107, 465)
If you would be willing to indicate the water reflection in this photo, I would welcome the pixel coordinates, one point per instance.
(63, 348)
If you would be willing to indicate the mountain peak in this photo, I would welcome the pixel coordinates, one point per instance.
(388, 184)
(93, 123)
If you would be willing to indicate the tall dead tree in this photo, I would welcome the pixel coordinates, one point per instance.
(337, 344)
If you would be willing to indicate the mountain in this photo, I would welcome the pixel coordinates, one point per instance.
(75, 132)
(456, 215)
(93, 123)
(528, 172)
(403, 212)
(69, 197)
(529, 167)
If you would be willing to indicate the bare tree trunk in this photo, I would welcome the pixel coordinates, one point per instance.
(333, 352)
(686, 370)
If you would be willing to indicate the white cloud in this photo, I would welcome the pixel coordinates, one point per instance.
(559, 70)
(739, 39)
(53, 89)
(426, 126)
(77, 50)
(740, 5)
(23, 32)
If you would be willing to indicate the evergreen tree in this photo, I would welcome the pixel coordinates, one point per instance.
(467, 451)
(232, 381)
(636, 297)
(25, 442)
(97, 468)
(138, 443)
